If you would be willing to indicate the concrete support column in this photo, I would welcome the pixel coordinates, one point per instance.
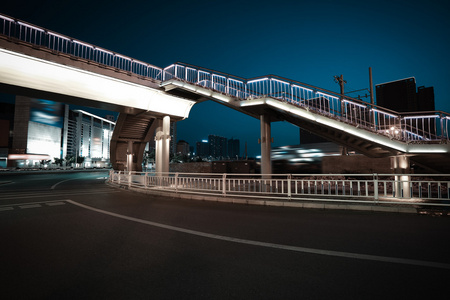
(401, 165)
(130, 155)
(266, 139)
(162, 145)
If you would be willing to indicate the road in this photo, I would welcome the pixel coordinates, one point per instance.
(71, 236)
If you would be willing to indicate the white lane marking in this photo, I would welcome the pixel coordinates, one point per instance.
(30, 206)
(56, 184)
(55, 203)
(34, 203)
(404, 261)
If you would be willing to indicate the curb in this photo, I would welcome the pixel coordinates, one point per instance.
(279, 203)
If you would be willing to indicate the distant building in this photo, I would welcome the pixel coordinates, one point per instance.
(218, 147)
(183, 147)
(202, 148)
(401, 96)
(234, 149)
(35, 130)
(425, 98)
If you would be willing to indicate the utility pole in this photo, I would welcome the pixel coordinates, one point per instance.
(372, 102)
(340, 79)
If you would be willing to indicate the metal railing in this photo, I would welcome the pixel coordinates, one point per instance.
(41, 37)
(408, 189)
(430, 127)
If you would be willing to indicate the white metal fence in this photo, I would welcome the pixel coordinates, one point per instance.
(412, 189)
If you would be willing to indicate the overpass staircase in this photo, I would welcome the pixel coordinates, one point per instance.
(130, 137)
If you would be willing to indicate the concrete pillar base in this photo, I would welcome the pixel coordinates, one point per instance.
(401, 165)
(162, 145)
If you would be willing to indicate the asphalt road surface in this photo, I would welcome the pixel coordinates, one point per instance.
(71, 236)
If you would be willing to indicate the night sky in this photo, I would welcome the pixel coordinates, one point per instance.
(308, 41)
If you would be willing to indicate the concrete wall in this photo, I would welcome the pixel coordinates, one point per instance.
(358, 164)
(243, 167)
(194, 167)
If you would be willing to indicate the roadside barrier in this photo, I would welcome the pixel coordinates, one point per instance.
(408, 189)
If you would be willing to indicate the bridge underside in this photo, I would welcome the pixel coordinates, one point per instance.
(130, 137)
(41, 73)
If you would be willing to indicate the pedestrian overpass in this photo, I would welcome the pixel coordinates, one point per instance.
(37, 62)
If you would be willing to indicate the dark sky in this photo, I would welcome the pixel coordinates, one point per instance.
(308, 41)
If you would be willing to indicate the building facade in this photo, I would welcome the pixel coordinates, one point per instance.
(218, 147)
(234, 148)
(89, 137)
(183, 147)
(36, 131)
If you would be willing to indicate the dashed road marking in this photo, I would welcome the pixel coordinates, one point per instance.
(55, 203)
(30, 206)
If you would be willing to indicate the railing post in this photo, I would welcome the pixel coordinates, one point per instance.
(129, 179)
(176, 182)
(289, 178)
(270, 87)
(224, 180)
(118, 176)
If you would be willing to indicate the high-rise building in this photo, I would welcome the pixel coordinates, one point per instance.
(88, 136)
(203, 148)
(217, 146)
(425, 98)
(401, 96)
(47, 130)
(233, 148)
